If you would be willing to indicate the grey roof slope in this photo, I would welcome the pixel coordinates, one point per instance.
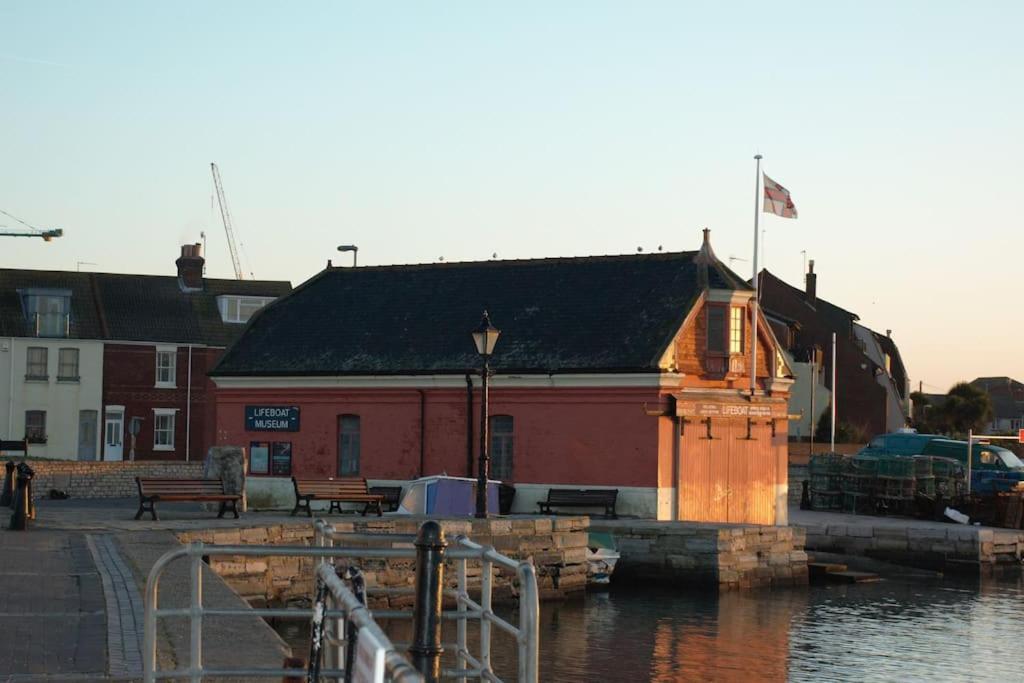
(121, 307)
(605, 313)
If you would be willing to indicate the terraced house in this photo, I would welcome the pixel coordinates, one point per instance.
(626, 372)
(111, 366)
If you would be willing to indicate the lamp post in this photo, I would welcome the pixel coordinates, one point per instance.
(485, 337)
(355, 252)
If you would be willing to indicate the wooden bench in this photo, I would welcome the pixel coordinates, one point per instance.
(14, 449)
(588, 498)
(337, 491)
(392, 495)
(153, 490)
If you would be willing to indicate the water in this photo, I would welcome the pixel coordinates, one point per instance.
(889, 631)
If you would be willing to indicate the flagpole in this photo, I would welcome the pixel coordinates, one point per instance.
(753, 338)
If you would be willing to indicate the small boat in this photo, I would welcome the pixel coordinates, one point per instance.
(601, 558)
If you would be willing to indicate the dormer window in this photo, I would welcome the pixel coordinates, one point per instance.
(726, 329)
(238, 309)
(47, 312)
(736, 330)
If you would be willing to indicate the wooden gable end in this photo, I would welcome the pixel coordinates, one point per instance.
(701, 365)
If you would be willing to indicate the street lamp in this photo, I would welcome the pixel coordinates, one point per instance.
(485, 337)
(355, 252)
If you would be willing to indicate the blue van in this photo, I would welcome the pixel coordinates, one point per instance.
(992, 468)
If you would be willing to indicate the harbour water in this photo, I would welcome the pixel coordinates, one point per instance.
(894, 630)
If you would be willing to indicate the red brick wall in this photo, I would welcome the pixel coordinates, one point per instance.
(129, 379)
(599, 436)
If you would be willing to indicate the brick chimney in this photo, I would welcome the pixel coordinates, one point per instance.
(190, 267)
(812, 283)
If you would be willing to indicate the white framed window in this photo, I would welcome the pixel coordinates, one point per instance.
(35, 426)
(736, 330)
(166, 366)
(163, 428)
(36, 360)
(502, 443)
(67, 365)
(238, 309)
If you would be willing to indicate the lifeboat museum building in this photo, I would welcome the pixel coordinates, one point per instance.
(627, 372)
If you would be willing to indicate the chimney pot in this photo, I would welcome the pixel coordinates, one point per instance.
(812, 283)
(707, 235)
(888, 333)
(190, 266)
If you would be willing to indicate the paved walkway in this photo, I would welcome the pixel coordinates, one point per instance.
(51, 604)
(71, 595)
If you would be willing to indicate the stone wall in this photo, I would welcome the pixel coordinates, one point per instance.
(729, 556)
(797, 475)
(104, 479)
(950, 547)
(556, 545)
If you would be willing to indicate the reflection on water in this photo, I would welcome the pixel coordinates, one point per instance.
(888, 631)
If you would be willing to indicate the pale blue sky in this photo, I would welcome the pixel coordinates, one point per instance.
(460, 129)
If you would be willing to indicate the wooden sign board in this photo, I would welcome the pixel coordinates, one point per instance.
(708, 409)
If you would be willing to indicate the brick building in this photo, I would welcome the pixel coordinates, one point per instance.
(872, 393)
(627, 372)
(113, 366)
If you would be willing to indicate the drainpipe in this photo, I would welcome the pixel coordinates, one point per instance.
(10, 395)
(423, 432)
(469, 425)
(188, 407)
(677, 463)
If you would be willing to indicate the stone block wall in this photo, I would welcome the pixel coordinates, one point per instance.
(104, 479)
(941, 547)
(729, 556)
(797, 475)
(557, 546)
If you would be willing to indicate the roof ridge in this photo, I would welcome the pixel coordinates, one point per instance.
(543, 260)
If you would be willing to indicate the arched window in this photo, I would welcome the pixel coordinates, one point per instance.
(348, 445)
(501, 447)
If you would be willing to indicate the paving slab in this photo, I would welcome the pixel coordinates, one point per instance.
(51, 603)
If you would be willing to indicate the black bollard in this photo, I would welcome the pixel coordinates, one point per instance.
(7, 498)
(426, 647)
(22, 498)
(805, 496)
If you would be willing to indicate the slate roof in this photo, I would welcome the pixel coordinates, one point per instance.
(1006, 393)
(605, 313)
(116, 307)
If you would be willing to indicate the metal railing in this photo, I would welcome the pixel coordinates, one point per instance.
(468, 665)
(344, 608)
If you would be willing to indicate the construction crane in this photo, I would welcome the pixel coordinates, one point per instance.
(32, 231)
(225, 216)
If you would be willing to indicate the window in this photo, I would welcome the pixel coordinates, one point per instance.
(888, 364)
(67, 365)
(163, 429)
(780, 362)
(35, 426)
(501, 447)
(166, 364)
(716, 329)
(259, 457)
(36, 362)
(736, 330)
(238, 309)
(281, 458)
(348, 445)
(48, 311)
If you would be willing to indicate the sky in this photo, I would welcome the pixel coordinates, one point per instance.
(460, 130)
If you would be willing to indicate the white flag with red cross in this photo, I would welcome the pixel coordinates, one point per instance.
(777, 199)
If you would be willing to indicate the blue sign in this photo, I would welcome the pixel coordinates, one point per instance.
(271, 418)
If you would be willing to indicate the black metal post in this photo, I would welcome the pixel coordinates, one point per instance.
(484, 467)
(22, 498)
(426, 647)
(8, 494)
